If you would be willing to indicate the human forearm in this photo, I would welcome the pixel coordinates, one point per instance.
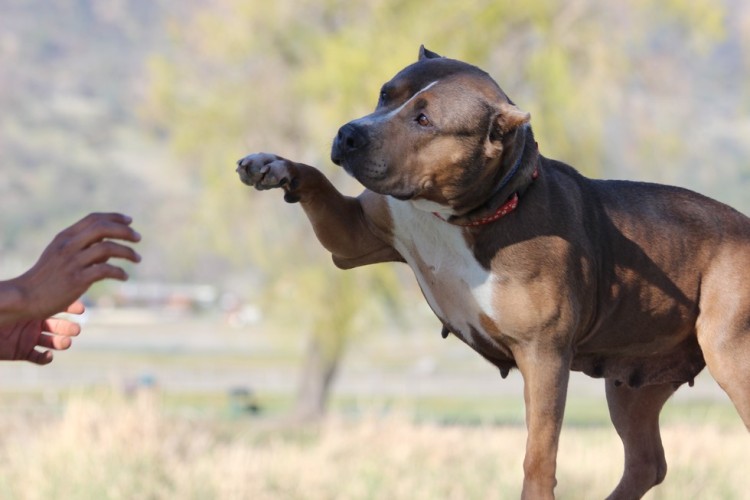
(13, 307)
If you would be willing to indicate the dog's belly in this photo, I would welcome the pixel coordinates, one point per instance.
(457, 288)
(676, 365)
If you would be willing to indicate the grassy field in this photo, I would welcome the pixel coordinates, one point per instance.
(104, 445)
(413, 417)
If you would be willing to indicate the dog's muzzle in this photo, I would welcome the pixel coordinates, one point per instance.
(351, 139)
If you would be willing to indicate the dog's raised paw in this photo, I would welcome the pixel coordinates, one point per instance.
(264, 171)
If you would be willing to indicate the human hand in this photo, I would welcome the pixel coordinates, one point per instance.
(18, 341)
(75, 259)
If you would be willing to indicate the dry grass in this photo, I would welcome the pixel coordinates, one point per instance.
(113, 448)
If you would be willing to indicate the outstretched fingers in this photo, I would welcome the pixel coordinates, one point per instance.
(76, 307)
(101, 252)
(40, 357)
(97, 227)
(95, 218)
(62, 327)
(98, 272)
(56, 342)
(56, 335)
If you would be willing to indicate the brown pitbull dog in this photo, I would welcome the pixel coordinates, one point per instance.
(532, 264)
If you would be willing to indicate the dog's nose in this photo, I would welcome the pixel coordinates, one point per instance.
(351, 138)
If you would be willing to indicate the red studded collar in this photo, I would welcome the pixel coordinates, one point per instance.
(501, 212)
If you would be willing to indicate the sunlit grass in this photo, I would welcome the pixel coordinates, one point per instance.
(107, 446)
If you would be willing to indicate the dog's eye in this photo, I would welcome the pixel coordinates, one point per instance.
(423, 120)
(383, 97)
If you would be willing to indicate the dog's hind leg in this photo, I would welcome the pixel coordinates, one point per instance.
(727, 353)
(635, 414)
(724, 327)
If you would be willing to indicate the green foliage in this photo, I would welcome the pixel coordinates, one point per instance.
(661, 84)
(283, 76)
(603, 82)
(705, 18)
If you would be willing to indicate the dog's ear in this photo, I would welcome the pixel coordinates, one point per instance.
(510, 117)
(427, 54)
(507, 119)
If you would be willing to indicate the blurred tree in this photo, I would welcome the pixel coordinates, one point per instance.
(285, 75)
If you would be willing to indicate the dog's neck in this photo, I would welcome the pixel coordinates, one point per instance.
(511, 186)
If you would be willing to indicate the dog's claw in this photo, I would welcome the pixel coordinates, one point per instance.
(504, 372)
(445, 332)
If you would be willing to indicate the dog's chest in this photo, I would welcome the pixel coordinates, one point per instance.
(458, 289)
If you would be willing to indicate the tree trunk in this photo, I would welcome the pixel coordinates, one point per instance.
(320, 366)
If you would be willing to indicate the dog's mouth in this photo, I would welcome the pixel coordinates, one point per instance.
(374, 177)
(399, 194)
(403, 197)
(387, 188)
(346, 164)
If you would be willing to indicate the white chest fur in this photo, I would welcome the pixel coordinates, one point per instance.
(458, 289)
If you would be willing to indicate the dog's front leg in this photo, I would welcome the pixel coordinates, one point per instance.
(339, 221)
(545, 371)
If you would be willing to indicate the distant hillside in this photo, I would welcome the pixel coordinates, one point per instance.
(71, 72)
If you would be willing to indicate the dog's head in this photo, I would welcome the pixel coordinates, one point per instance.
(441, 136)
